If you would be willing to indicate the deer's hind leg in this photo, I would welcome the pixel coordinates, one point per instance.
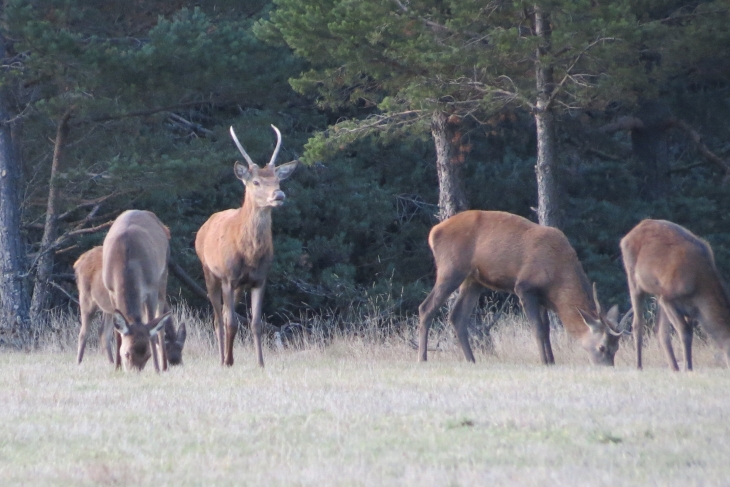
(665, 339)
(446, 283)
(469, 292)
(87, 312)
(685, 329)
(215, 296)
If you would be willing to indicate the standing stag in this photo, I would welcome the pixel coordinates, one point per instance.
(236, 248)
(506, 252)
(134, 272)
(93, 297)
(670, 262)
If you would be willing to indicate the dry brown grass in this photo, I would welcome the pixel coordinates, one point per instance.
(356, 409)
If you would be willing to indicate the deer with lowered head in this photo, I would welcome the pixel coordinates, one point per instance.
(236, 248)
(134, 272)
(505, 252)
(669, 262)
(93, 297)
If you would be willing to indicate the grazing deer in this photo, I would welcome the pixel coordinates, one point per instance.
(506, 252)
(134, 272)
(93, 297)
(236, 248)
(670, 262)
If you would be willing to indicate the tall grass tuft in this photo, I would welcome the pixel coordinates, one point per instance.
(378, 328)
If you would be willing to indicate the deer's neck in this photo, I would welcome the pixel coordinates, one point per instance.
(713, 306)
(573, 294)
(254, 230)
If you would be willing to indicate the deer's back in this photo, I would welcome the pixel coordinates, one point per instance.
(88, 270)
(501, 249)
(135, 251)
(669, 260)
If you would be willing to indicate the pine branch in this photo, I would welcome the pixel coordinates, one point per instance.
(86, 204)
(568, 72)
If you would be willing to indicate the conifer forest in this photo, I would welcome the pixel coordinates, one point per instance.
(589, 116)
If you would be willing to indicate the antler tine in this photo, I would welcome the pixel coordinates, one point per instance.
(595, 299)
(623, 324)
(278, 145)
(241, 149)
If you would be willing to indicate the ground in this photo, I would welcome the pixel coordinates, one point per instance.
(362, 411)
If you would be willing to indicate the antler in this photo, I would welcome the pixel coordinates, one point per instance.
(623, 324)
(595, 299)
(622, 328)
(278, 146)
(240, 148)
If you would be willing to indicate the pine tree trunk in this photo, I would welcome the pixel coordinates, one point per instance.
(548, 208)
(44, 270)
(452, 197)
(650, 145)
(14, 323)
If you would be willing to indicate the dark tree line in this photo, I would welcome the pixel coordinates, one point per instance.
(585, 115)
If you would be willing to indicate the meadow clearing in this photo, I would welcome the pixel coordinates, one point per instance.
(358, 409)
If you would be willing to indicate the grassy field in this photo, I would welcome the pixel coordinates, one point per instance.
(361, 411)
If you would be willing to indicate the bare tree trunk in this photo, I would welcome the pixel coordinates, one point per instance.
(14, 322)
(548, 199)
(452, 197)
(42, 288)
(548, 211)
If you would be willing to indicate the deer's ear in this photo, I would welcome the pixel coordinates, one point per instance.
(182, 334)
(158, 324)
(286, 170)
(120, 323)
(612, 315)
(595, 325)
(242, 172)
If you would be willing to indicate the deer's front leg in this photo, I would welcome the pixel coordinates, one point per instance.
(257, 299)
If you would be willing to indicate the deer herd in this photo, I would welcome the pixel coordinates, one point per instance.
(126, 279)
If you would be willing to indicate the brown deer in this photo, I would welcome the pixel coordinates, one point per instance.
(134, 272)
(668, 261)
(236, 248)
(93, 297)
(506, 252)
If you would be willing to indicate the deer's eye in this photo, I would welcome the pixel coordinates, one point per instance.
(602, 348)
(256, 183)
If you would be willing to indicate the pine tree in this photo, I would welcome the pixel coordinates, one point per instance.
(404, 62)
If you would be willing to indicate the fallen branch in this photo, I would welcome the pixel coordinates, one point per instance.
(84, 231)
(63, 291)
(183, 276)
(623, 123)
(603, 155)
(704, 150)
